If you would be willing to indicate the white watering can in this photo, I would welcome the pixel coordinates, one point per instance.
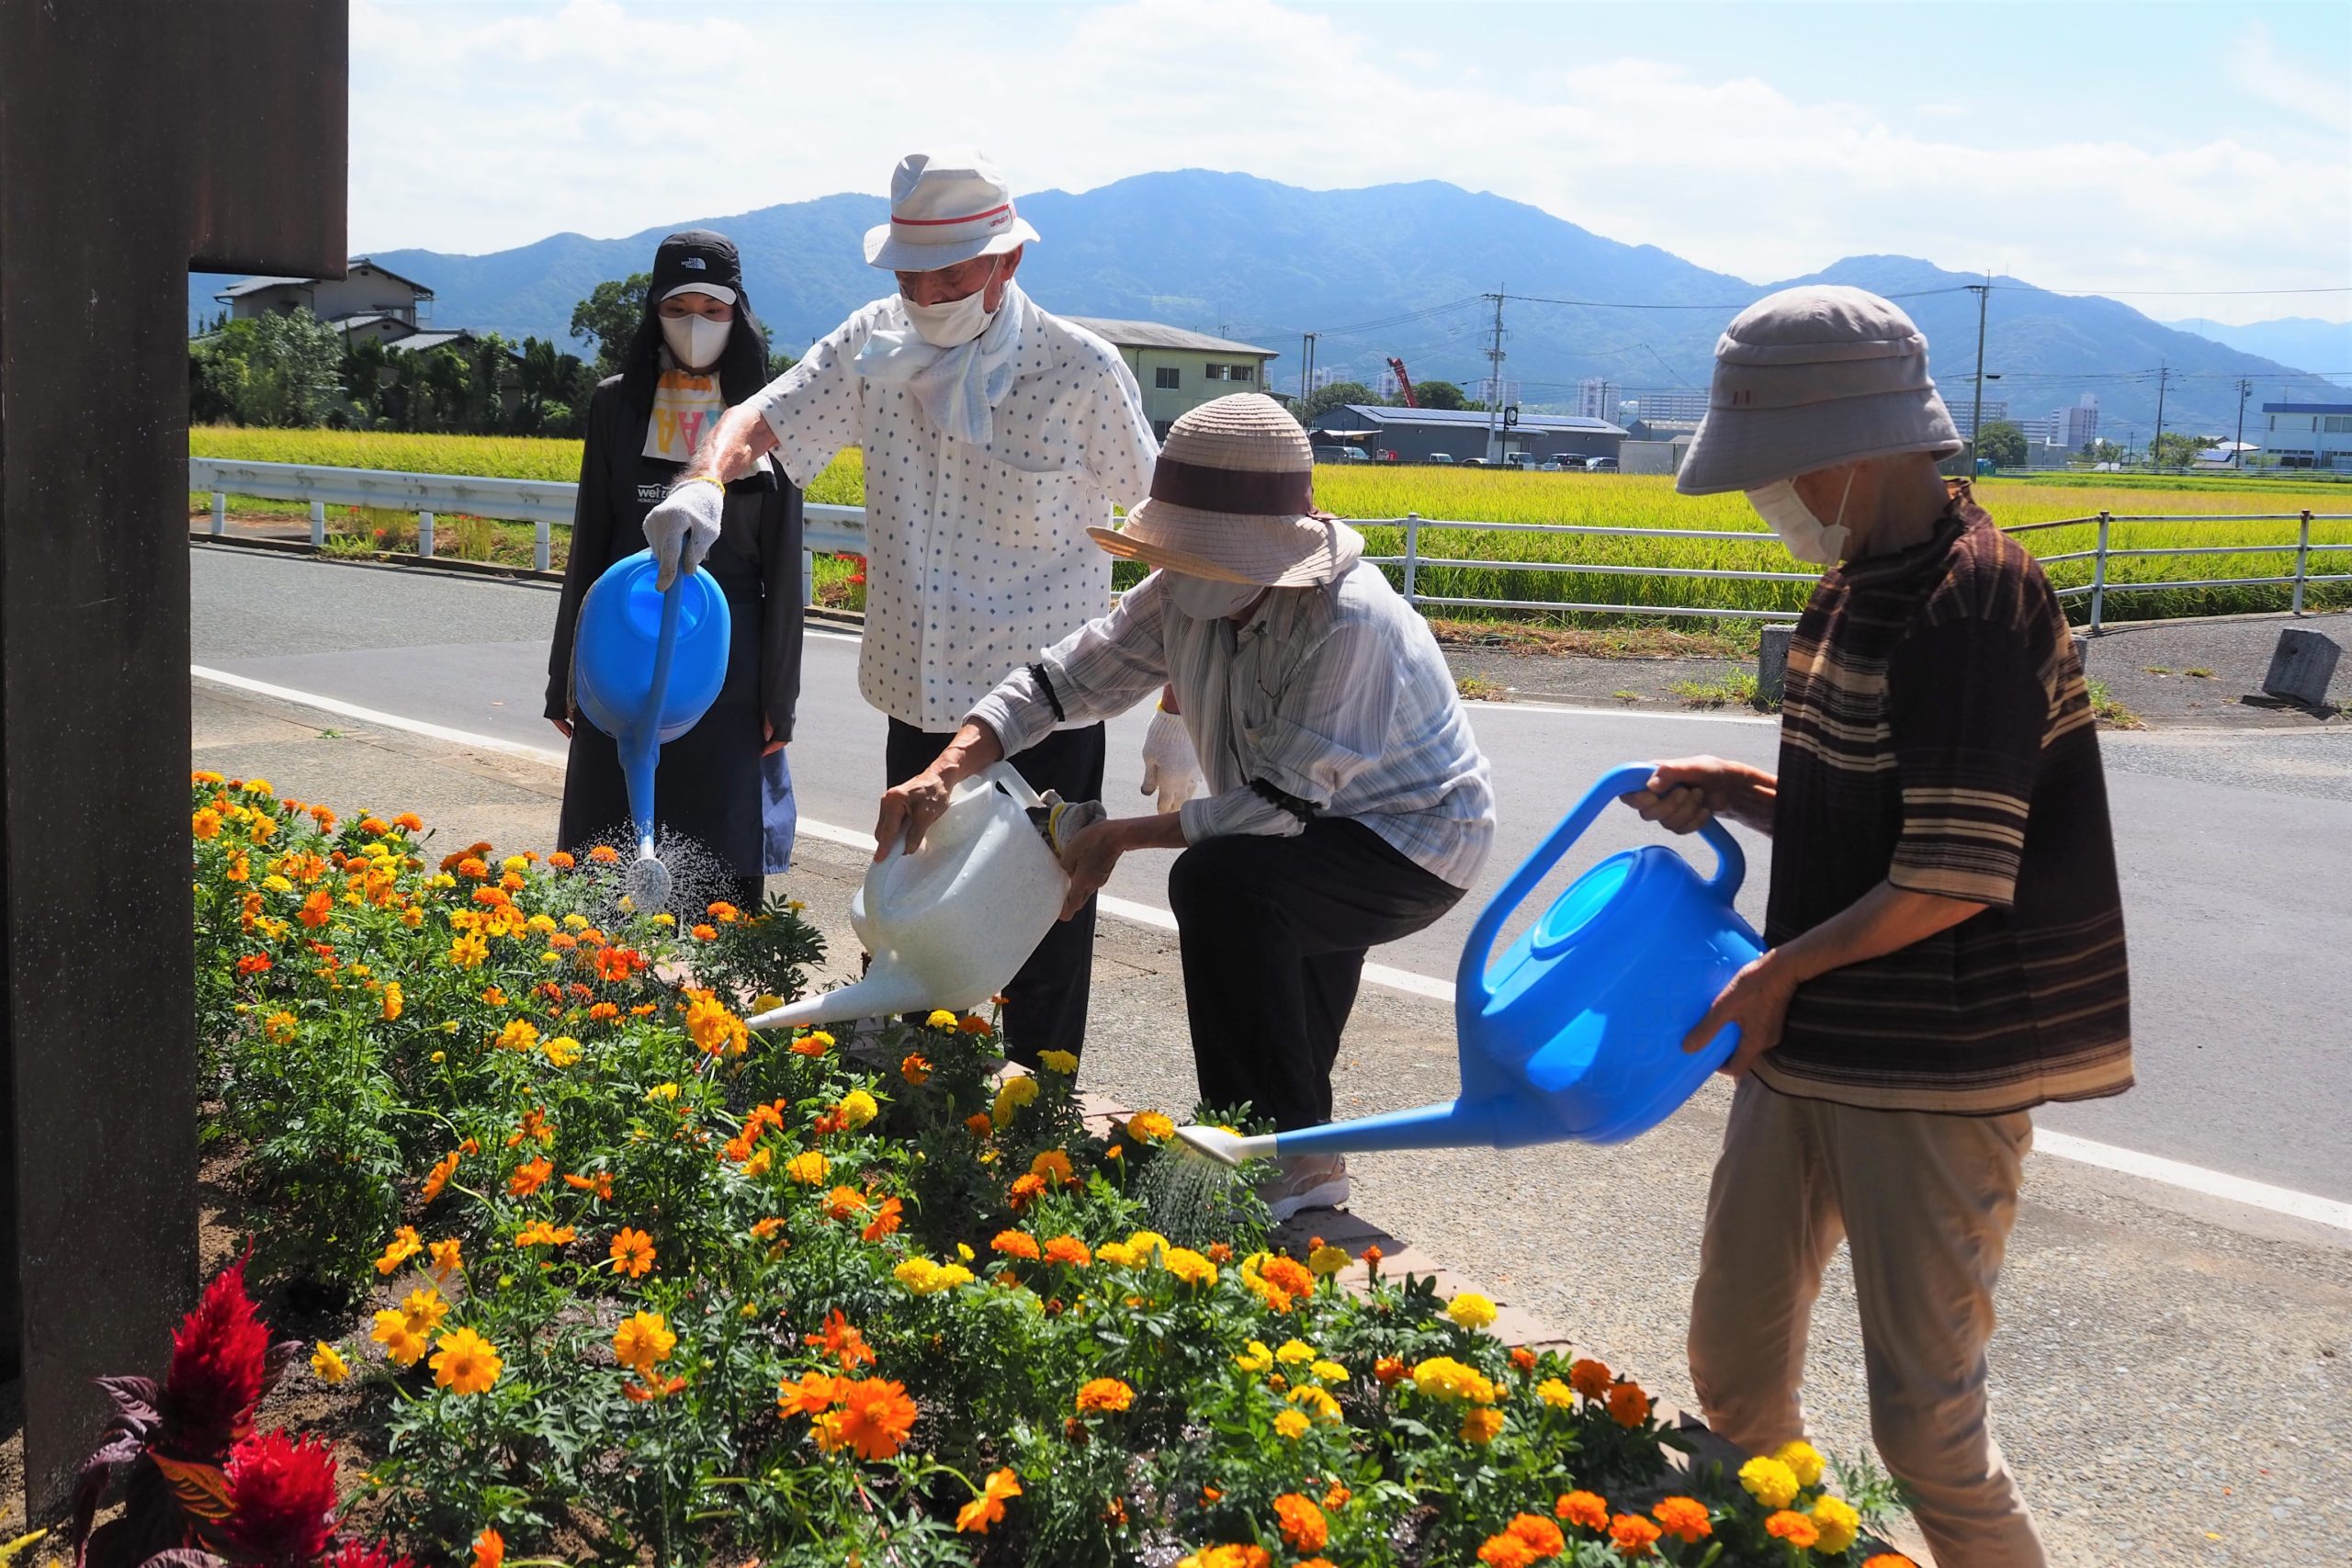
(950, 924)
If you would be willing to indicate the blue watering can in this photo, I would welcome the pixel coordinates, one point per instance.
(1577, 1033)
(646, 666)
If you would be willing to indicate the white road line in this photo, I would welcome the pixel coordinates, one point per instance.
(2329, 1211)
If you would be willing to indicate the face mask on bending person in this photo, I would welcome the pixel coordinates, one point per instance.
(1209, 599)
(1808, 537)
(696, 326)
(948, 322)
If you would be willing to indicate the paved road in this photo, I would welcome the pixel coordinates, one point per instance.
(2232, 845)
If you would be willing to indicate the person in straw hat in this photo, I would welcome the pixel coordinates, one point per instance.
(1348, 803)
(1945, 934)
(994, 433)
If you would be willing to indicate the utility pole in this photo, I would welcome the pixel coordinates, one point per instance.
(1977, 420)
(1306, 366)
(2237, 450)
(1494, 382)
(2156, 442)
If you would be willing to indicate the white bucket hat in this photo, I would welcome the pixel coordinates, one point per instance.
(1809, 379)
(1233, 500)
(946, 208)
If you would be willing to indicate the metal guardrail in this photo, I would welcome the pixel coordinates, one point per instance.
(840, 530)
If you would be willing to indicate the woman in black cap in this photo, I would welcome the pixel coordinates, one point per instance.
(724, 782)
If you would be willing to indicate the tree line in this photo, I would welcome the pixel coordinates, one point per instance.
(290, 368)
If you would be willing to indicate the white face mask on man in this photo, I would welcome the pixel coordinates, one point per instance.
(1207, 599)
(1807, 537)
(696, 342)
(956, 320)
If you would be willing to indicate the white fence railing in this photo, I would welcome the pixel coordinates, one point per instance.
(840, 530)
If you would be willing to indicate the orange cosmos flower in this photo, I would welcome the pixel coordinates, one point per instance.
(633, 1253)
(253, 963)
(813, 1394)
(406, 1244)
(438, 1177)
(876, 1418)
(490, 1550)
(987, 1508)
(529, 1179)
(1585, 1509)
(885, 1221)
(842, 1341)
(599, 1186)
(538, 1233)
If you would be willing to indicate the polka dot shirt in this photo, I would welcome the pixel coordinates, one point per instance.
(977, 556)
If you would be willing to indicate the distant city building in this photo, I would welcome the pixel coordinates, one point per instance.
(1179, 370)
(2081, 423)
(2307, 435)
(1596, 398)
(1670, 403)
(1487, 394)
(1389, 388)
(1963, 414)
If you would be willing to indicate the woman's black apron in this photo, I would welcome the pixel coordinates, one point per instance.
(711, 783)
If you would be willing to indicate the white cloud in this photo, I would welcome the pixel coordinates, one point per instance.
(474, 130)
(2257, 67)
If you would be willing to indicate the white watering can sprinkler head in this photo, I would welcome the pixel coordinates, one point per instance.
(649, 881)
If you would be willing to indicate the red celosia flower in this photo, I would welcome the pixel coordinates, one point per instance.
(365, 1554)
(281, 1500)
(219, 1361)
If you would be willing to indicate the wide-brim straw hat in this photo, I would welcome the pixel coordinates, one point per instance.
(1233, 500)
(1810, 379)
(946, 208)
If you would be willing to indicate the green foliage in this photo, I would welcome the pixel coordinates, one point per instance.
(2002, 443)
(608, 319)
(1323, 399)
(284, 368)
(1439, 395)
(2176, 450)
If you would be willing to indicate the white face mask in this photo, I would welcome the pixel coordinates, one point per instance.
(1807, 537)
(1205, 599)
(956, 321)
(696, 342)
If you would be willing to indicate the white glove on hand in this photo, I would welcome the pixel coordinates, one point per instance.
(682, 527)
(1170, 767)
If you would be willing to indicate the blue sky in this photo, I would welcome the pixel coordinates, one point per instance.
(2200, 149)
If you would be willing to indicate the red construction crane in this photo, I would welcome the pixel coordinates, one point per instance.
(1404, 383)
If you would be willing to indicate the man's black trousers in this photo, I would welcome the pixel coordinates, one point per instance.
(1044, 1007)
(1274, 933)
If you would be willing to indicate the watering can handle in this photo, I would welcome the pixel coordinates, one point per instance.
(1731, 869)
(1005, 775)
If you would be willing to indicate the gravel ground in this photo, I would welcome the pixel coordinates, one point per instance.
(2173, 1381)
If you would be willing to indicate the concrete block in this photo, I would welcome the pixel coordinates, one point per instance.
(1773, 661)
(2303, 666)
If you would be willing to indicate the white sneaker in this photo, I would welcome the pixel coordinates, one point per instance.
(1305, 1181)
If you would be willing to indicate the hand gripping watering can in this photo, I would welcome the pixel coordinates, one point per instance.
(1577, 1033)
(950, 924)
(646, 666)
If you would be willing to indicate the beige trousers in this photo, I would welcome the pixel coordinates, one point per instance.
(1926, 1202)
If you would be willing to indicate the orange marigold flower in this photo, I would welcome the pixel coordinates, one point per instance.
(631, 1252)
(1685, 1518)
(471, 867)
(616, 963)
(1794, 1528)
(253, 963)
(915, 1069)
(704, 932)
(1337, 1497)
(1506, 1550)
(1054, 1165)
(842, 1341)
(1068, 1250)
(1390, 1370)
(885, 1221)
(1015, 1244)
(438, 1177)
(976, 1123)
(561, 860)
(1541, 1536)
(1889, 1559)
(844, 1202)
(1301, 1522)
(1026, 1191)
(1105, 1395)
(1589, 1378)
(876, 1418)
(1628, 1405)
(529, 1179)
(604, 1013)
(1288, 1275)
(603, 854)
(1632, 1535)
(816, 1043)
(987, 1508)
(725, 913)
(1522, 1358)
(972, 1023)
(1481, 1426)
(1587, 1510)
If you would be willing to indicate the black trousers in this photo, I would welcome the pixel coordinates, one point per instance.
(1273, 933)
(1044, 1008)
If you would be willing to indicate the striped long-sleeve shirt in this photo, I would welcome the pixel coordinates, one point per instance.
(1335, 699)
(1936, 734)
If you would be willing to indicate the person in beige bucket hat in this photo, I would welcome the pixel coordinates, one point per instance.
(1944, 927)
(994, 433)
(1348, 802)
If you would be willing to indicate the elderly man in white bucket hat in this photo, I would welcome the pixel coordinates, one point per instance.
(1348, 804)
(994, 433)
(1945, 935)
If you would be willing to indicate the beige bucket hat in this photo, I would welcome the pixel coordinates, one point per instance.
(1233, 500)
(945, 206)
(1809, 379)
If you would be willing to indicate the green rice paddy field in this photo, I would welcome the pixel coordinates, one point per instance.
(2180, 505)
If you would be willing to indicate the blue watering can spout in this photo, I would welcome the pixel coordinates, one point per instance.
(1576, 1032)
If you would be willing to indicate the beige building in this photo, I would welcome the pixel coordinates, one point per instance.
(368, 297)
(1179, 370)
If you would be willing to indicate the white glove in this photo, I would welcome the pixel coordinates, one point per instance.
(682, 527)
(1169, 768)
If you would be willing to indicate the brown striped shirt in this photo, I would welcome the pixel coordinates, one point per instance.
(1936, 733)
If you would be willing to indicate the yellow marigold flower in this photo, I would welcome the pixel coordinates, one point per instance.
(1292, 1424)
(575, 922)
(1471, 1310)
(1315, 1399)
(279, 1026)
(1555, 1394)
(542, 924)
(1104, 1395)
(1443, 1377)
(515, 863)
(1330, 1372)
(642, 1342)
(924, 1278)
(941, 1018)
(465, 1362)
(1768, 1480)
(1294, 1351)
(1117, 1253)
(1327, 1260)
(1256, 1359)
(207, 823)
(1150, 1127)
(963, 1251)
(1148, 1242)
(857, 1108)
(328, 1365)
(1481, 1426)
(1802, 1459)
(1835, 1523)
(807, 1167)
(276, 883)
(1189, 1266)
(1011, 1096)
(662, 1091)
(563, 1050)
(1062, 1062)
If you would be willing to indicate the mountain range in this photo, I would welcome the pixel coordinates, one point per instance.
(1401, 269)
